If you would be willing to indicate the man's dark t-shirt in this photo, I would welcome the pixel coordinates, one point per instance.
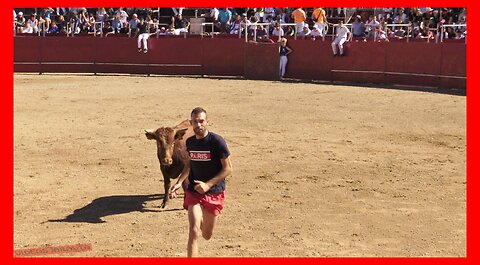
(205, 164)
(180, 23)
(142, 28)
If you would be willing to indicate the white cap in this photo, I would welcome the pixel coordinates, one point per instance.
(20, 13)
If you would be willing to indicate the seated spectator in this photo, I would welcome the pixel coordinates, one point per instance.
(299, 17)
(281, 15)
(385, 13)
(462, 14)
(117, 24)
(100, 13)
(236, 26)
(425, 33)
(305, 33)
(316, 33)
(450, 33)
(245, 24)
(73, 26)
(260, 32)
(90, 24)
(132, 24)
(460, 35)
(107, 29)
(277, 31)
(380, 34)
(224, 17)
(162, 31)
(21, 22)
(106, 18)
(318, 16)
(400, 33)
(62, 24)
(371, 25)
(170, 31)
(415, 30)
(278, 21)
(400, 17)
(290, 31)
(47, 17)
(180, 24)
(417, 16)
(271, 23)
(53, 29)
(268, 13)
(358, 27)
(122, 14)
(33, 23)
(27, 29)
(151, 28)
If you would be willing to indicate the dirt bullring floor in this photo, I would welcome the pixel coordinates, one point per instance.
(319, 170)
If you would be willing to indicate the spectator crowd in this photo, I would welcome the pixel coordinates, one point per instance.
(378, 24)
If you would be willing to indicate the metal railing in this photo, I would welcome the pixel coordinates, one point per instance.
(250, 30)
(408, 32)
(442, 29)
(204, 24)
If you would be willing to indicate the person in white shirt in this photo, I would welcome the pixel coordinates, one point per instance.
(305, 33)
(277, 31)
(122, 14)
(244, 25)
(316, 33)
(343, 35)
(371, 25)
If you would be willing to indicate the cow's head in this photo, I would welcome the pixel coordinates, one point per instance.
(166, 138)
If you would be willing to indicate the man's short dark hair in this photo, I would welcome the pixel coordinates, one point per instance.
(197, 111)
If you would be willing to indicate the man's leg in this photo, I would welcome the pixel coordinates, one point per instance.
(139, 42)
(340, 45)
(145, 38)
(195, 222)
(207, 224)
(334, 47)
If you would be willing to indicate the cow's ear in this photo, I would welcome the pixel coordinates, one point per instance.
(150, 134)
(180, 133)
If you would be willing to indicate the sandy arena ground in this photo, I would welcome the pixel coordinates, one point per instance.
(319, 170)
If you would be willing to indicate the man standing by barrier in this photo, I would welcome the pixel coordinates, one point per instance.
(343, 35)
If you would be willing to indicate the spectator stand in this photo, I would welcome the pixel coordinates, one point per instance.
(206, 27)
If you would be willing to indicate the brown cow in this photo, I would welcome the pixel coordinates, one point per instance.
(171, 151)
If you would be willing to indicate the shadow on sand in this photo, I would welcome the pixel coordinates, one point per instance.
(111, 205)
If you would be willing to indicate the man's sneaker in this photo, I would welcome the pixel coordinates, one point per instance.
(145, 51)
(139, 49)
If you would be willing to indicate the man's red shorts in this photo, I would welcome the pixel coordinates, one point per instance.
(212, 203)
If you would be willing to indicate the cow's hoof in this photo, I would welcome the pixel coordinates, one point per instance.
(164, 205)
